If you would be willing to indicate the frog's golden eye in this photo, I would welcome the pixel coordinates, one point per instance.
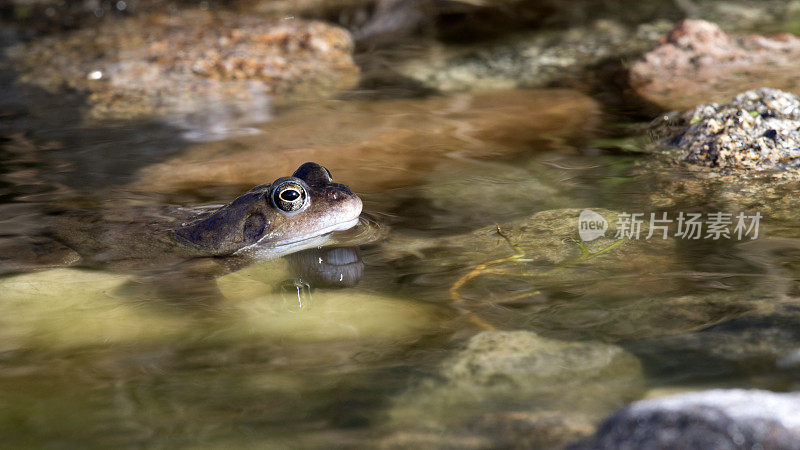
(289, 196)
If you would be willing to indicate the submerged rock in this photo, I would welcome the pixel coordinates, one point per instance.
(511, 388)
(192, 63)
(716, 419)
(68, 308)
(555, 285)
(294, 312)
(374, 146)
(697, 62)
(754, 343)
(517, 363)
(454, 201)
(757, 130)
(549, 258)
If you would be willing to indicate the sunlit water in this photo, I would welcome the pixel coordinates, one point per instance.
(285, 353)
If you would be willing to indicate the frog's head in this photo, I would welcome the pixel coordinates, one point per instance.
(288, 211)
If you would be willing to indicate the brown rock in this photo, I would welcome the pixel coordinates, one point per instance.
(697, 62)
(373, 146)
(162, 64)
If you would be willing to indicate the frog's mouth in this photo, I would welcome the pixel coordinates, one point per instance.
(322, 232)
(318, 238)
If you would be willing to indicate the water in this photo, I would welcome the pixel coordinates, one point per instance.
(142, 353)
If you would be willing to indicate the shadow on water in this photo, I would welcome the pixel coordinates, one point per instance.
(84, 157)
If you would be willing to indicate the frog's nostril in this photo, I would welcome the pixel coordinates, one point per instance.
(340, 193)
(341, 188)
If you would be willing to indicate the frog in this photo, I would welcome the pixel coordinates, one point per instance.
(180, 250)
(293, 213)
(270, 219)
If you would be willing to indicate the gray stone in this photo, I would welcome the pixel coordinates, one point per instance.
(715, 419)
(757, 130)
(528, 60)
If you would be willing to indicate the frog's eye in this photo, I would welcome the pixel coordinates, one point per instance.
(289, 196)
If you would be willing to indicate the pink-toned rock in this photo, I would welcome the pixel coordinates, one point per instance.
(697, 62)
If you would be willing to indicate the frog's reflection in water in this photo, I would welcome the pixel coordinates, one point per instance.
(292, 278)
(326, 267)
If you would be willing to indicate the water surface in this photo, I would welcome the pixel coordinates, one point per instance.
(96, 356)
